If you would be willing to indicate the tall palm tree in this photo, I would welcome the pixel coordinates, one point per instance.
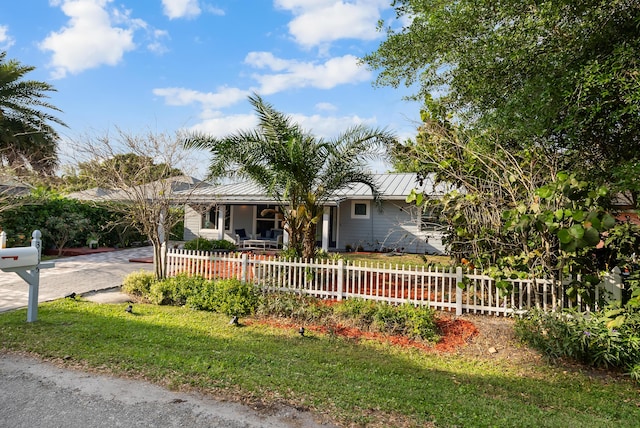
(298, 170)
(27, 139)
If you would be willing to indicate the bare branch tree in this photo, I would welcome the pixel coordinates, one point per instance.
(142, 190)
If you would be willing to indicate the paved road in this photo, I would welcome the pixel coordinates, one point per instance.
(79, 274)
(34, 394)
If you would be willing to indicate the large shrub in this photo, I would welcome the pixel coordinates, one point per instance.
(138, 283)
(100, 220)
(203, 296)
(227, 296)
(407, 320)
(234, 297)
(177, 290)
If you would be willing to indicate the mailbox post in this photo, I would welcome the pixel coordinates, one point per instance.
(25, 261)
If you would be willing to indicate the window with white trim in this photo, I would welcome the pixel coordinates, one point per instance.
(360, 209)
(210, 218)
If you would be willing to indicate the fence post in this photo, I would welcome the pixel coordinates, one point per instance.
(244, 268)
(340, 278)
(3, 239)
(458, 291)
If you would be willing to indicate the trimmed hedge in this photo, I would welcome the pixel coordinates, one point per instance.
(203, 244)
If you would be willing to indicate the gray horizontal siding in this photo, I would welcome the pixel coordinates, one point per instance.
(395, 228)
(192, 223)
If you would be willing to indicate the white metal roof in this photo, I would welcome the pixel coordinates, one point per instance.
(178, 184)
(393, 186)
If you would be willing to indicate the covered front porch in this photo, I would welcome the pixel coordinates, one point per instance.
(252, 225)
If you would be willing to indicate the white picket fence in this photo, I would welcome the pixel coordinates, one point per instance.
(339, 279)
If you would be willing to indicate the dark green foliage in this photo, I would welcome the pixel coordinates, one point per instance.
(586, 337)
(560, 74)
(177, 230)
(203, 244)
(28, 140)
(138, 283)
(407, 320)
(227, 296)
(37, 211)
(203, 296)
(178, 290)
(66, 227)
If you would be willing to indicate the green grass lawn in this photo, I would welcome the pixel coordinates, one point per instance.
(351, 383)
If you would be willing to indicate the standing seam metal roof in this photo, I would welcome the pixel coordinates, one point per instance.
(392, 186)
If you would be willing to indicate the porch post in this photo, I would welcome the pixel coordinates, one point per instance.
(222, 212)
(285, 235)
(325, 229)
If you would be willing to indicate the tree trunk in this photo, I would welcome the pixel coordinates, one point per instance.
(159, 258)
(309, 243)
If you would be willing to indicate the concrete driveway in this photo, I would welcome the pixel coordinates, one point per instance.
(79, 274)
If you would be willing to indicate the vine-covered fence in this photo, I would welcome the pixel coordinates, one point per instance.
(443, 288)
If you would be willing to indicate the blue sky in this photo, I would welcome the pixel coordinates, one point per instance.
(164, 65)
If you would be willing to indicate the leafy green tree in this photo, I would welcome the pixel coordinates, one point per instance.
(98, 173)
(300, 171)
(487, 178)
(516, 212)
(27, 138)
(66, 227)
(562, 75)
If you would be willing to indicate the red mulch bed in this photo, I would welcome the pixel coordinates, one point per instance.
(141, 260)
(455, 333)
(68, 252)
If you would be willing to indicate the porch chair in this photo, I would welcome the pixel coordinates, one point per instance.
(241, 235)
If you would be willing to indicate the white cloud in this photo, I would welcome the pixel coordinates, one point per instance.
(225, 97)
(218, 125)
(267, 60)
(295, 74)
(330, 126)
(181, 8)
(326, 107)
(90, 39)
(317, 22)
(6, 41)
(213, 10)
(155, 45)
